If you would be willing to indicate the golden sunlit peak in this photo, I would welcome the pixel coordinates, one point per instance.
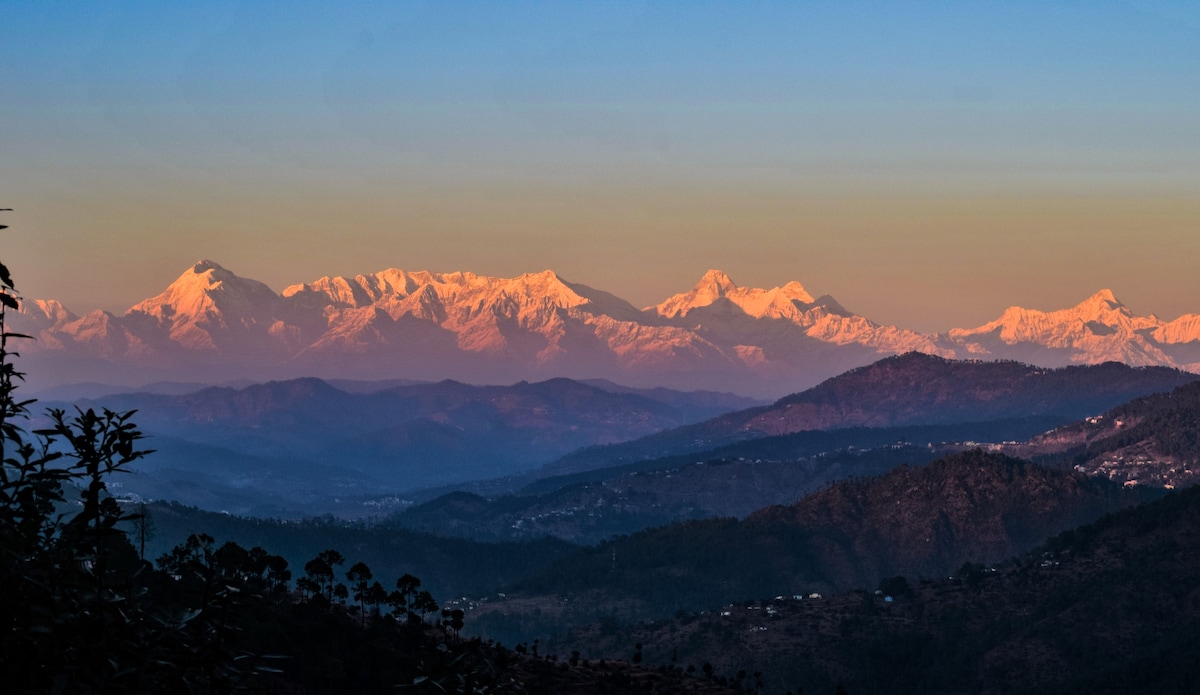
(794, 290)
(1105, 299)
(547, 275)
(204, 265)
(203, 273)
(718, 279)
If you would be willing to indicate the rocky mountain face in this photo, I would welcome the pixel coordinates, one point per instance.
(211, 324)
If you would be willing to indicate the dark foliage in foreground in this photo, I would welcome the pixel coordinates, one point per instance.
(75, 613)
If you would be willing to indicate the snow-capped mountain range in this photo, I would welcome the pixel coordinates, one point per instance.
(212, 324)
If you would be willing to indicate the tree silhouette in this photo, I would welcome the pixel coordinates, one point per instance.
(307, 587)
(453, 619)
(403, 598)
(277, 574)
(424, 604)
(376, 595)
(320, 570)
(143, 526)
(360, 577)
(233, 561)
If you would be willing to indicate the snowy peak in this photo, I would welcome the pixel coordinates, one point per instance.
(207, 304)
(1100, 314)
(777, 302)
(545, 288)
(1101, 305)
(207, 277)
(1098, 329)
(363, 290)
(470, 305)
(395, 284)
(47, 311)
(336, 290)
(715, 285)
(785, 316)
(204, 266)
(795, 291)
(202, 287)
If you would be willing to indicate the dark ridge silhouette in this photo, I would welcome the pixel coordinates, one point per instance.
(909, 389)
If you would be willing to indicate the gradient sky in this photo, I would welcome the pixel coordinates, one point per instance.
(927, 164)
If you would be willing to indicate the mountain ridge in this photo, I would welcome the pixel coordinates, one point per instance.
(903, 390)
(393, 323)
(383, 441)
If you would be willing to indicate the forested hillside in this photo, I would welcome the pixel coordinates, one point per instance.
(1110, 607)
(733, 480)
(908, 389)
(1154, 440)
(927, 521)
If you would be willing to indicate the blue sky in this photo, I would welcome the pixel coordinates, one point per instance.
(926, 163)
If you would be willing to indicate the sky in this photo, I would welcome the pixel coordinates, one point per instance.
(927, 164)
